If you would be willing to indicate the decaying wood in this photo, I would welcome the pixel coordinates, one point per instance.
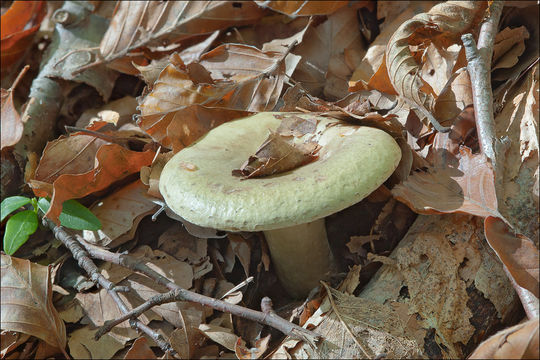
(439, 294)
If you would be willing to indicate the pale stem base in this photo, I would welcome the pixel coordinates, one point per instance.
(300, 255)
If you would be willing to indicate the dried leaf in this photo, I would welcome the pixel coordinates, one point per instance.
(256, 352)
(330, 53)
(242, 250)
(143, 288)
(177, 241)
(19, 24)
(303, 8)
(82, 344)
(394, 14)
(150, 72)
(221, 335)
(114, 163)
(442, 25)
(356, 243)
(99, 307)
(140, 350)
(149, 23)
(120, 214)
(277, 155)
(186, 340)
(244, 79)
(12, 125)
(516, 342)
(518, 120)
(509, 45)
(517, 253)
(27, 301)
(468, 187)
(11, 340)
(68, 155)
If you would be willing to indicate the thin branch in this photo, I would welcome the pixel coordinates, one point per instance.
(84, 261)
(178, 293)
(479, 67)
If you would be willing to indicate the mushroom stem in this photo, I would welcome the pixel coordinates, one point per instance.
(301, 256)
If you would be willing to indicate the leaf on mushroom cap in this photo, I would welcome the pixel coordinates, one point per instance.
(278, 153)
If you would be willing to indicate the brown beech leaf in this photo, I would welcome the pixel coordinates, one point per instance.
(464, 184)
(186, 339)
(183, 105)
(27, 301)
(120, 214)
(19, 24)
(303, 8)
(277, 155)
(114, 163)
(82, 344)
(10, 340)
(516, 342)
(68, 155)
(330, 53)
(12, 125)
(140, 350)
(517, 252)
(442, 25)
(509, 45)
(153, 24)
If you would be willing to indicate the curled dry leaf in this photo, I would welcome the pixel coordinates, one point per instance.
(394, 14)
(150, 23)
(114, 163)
(243, 352)
(517, 342)
(442, 25)
(518, 253)
(27, 301)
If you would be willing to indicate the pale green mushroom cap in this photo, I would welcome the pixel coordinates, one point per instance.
(197, 183)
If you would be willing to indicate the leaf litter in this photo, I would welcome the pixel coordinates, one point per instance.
(395, 66)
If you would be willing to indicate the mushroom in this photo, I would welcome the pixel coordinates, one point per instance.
(289, 207)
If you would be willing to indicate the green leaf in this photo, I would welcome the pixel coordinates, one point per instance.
(11, 204)
(74, 215)
(18, 228)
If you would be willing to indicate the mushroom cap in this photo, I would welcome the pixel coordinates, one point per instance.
(197, 183)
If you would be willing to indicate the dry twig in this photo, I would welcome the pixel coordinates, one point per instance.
(479, 67)
(178, 293)
(85, 262)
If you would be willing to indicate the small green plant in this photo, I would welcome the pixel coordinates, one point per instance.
(24, 223)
